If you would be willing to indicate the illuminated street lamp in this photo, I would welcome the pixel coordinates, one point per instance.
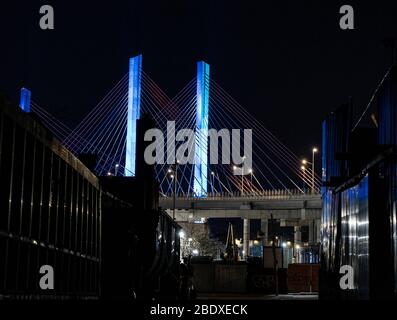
(251, 172)
(212, 181)
(174, 177)
(303, 168)
(314, 152)
(305, 162)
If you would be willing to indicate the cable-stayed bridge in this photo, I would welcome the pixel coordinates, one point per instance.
(274, 180)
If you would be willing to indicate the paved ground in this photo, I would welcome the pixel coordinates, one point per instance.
(234, 296)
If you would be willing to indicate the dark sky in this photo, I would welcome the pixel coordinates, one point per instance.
(287, 62)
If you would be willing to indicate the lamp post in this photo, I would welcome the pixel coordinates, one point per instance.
(174, 177)
(212, 181)
(242, 177)
(242, 181)
(234, 169)
(251, 172)
(303, 168)
(313, 153)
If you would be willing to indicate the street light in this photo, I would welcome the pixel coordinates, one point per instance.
(251, 172)
(242, 176)
(303, 168)
(174, 177)
(212, 181)
(314, 152)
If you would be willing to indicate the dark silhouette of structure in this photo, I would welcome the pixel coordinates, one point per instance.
(105, 237)
(359, 198)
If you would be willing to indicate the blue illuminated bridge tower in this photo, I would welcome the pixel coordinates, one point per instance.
(134, 112)
(201, 128)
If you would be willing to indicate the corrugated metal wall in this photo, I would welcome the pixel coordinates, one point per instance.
(355, 236)
(359, 199)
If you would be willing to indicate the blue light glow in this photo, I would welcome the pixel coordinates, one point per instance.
(134, 110)
(201, 139)
(24, 103)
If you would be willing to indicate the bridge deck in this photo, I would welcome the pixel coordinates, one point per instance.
(299, 207)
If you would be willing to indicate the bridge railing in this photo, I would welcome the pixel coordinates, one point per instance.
(255, 195)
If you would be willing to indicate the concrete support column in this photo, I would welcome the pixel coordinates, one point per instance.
(297, 235)
(246, 237)
(297, 243)
(265, 230)
(318, 230)
(312, 232)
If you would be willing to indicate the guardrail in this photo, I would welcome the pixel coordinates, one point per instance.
(268, 194)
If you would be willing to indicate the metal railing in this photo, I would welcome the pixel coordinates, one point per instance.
(267, 194)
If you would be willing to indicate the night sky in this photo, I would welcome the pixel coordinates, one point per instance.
(287, 62)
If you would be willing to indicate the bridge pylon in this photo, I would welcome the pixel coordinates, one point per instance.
(201, 131)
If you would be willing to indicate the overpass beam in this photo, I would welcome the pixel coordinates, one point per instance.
(246, 238)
